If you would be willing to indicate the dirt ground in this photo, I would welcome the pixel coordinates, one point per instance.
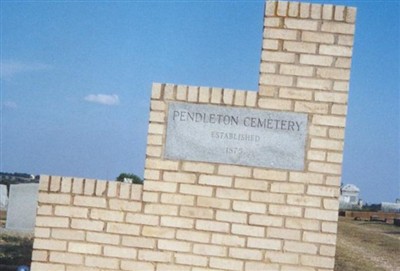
(367, 246)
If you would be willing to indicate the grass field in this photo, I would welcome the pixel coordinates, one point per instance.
(361, 246)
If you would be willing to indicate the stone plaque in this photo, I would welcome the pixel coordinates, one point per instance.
(233, 135)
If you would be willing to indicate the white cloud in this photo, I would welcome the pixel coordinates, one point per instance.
(11, 68)
(103, 99)
(10, 104)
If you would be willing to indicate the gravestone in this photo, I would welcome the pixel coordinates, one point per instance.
(22, 206)
(3, 197)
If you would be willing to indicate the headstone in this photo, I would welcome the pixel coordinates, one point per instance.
(3, 197)
(22, 205)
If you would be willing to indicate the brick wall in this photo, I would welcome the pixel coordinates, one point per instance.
(203, 216)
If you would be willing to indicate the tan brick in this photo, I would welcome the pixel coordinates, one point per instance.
(316, 155)
(151, 174)
(261, 243)
(124, 205)
(154, 256)
(341, 86)
(339, 13)
(321, 84)
(89, 187)
(77, 185)
(333, 180)
(48, 244)
(327, 12)
(229, 216)
(173, 245)
(209, 250)
(158, 186)
(316, 11)
(136, 265)
(281, 57)
(294, 9)
(152, 163)
(156, 90)
(306, 178)
(298, 70)
(335, 157)
(156, 128)
(216, 95)
(160, 209)
(137, 218)
(101, 187)
(175, 267)
(149, 231)
(47, 267)
(121, 228)
(204, 95)
(138, 242)
(208, 225)
(179, 177)
(350, 14)
(325, 168)
(331, 97)
(39, 256)
(329, 227)
(106, 215)
(339, 109)
(301, 200)
(154, 140)
(120, 252)
(302, 224)
(270, 44)
(267, 91)
(276, 80)
(327, 250)
(112, 189)
(157, 105)
(227, 264)
(337, 133)
(305, 10)
(254, 231)
(62, 199)
(282, 257)
(194, 236)
(267, 67)
(90, 201)
(84, 248)
(285, 34)
(285, 210)
(67, 234)
(314, 130)
(215, 180)
(196, 212)
(272, 21)
(213, 202)
(103, 238)
(101, 262)
(55, 183)
(230, 170)
(251, 266)
(287, 188)
(301, 24)
(251, 184)
(177, 199)
(316, 60)
(154, 151)
(277, 104)
(317, 37)
(196, 190)
(70, 211)
(193, 93)
(295, 94)
(333, 73)
(42, 232)
(285, 234)
(240, 98)
(300, 247)
(267, 197)
(46, 210)
(249, 207)
(343, 62)
(327, 144)
(227, 193)
(310, 107)
(192, 260)
(227, 96)
(326, 215)
(265, 220)
(317, 261)
(198, 167)
(84, 224)
(177, 222)
(251, 98)
(337, 27)
(245, 254)
(228, 240)
(181, 93)
(156, 116)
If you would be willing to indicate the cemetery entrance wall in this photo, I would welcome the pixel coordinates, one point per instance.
(234, 180)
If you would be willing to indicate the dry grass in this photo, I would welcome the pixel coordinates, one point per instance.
(367, 246)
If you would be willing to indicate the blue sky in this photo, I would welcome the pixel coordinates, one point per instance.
(76, 80)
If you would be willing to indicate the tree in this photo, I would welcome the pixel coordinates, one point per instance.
(129, 178)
